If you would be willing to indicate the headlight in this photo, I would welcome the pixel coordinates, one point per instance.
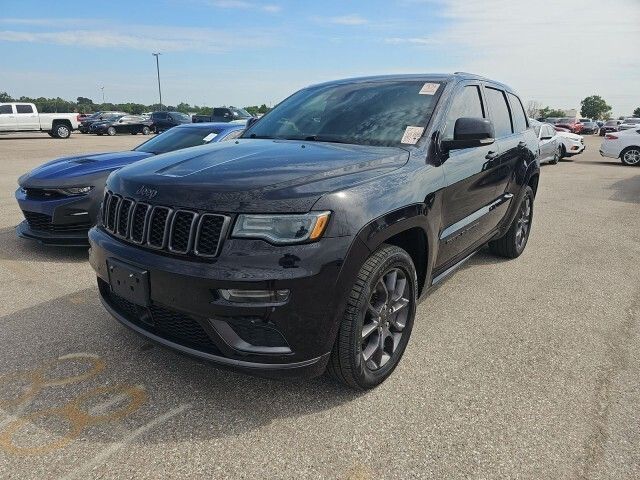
(75, 190)
(282, 229)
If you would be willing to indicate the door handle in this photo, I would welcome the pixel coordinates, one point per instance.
(491, 155)
(522, 144)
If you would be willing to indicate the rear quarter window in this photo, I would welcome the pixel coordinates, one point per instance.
(519, 117)
(5, 109)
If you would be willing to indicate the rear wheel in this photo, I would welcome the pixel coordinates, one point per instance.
(146, 130)
(631, 156)
(512, 244)
(111, 131)
(60, 130)
(377, 322)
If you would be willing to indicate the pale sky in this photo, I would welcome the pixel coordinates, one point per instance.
(239, 52)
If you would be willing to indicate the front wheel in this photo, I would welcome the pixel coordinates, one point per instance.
(556, 157)
(512, 243)
(111, 131)
(146, 130)
(631, 156)
(377, 322)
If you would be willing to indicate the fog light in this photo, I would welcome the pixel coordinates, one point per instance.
(254, 296)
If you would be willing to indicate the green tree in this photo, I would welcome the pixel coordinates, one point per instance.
(263, 109)
(5, 97)
(594, 107)
(636, 112)
(547, 112)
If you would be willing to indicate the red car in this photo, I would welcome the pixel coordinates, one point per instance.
(572, 124)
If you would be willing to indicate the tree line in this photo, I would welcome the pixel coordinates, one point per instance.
(594, 107)
(87, 105)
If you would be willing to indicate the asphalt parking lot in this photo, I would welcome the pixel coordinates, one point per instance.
(515, 369)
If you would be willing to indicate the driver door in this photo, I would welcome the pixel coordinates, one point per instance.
(470, 179)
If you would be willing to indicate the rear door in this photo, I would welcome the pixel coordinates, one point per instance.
(470, 177)
(505, 110)
(7, 118)
(27, 117)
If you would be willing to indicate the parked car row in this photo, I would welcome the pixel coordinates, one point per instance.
(556, 142)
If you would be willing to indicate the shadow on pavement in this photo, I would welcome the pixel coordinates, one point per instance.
(627, 190)
(212, 402)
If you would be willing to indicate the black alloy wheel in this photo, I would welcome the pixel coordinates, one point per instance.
(377, 323)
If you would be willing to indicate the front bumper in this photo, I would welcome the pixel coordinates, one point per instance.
(575, 149)
(63, 221)
(292, 339)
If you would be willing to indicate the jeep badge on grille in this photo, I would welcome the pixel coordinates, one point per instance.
(146, 192)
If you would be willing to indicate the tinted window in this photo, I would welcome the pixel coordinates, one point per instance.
(384, 113)
(5, 109)
(519, 117)
(467, 103)
(548, 131)
(24, 108)
(499, 112)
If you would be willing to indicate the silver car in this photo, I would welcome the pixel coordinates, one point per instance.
(548, 141)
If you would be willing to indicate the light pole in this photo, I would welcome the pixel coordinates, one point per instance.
(102, 88)
(158, 69)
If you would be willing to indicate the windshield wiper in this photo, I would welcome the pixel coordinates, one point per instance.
(262, 137)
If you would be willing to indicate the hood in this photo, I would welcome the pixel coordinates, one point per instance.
(570, 135)
(255, 175)
(68, 170)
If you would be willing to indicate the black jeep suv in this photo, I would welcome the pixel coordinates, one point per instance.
(306, 244)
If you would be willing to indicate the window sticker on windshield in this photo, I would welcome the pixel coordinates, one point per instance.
(412, 135)
(210, 137)
(429, 89)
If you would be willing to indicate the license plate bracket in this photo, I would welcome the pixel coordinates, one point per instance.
(129, 282)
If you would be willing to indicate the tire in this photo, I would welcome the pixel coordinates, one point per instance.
(51, 134)
(513, 243)
(146, 130)
(111, 131)
(563, 152)
(556, 157)
(133, 133)
(60, 130)
(630, 156)
(602, 132)
(359, 362)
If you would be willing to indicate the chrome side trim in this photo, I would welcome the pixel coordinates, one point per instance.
(454, 230)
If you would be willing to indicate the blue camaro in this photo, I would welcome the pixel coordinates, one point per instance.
(60, 199)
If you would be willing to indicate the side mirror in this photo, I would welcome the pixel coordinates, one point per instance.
(251, 121)
(470, 132)
(546, 138)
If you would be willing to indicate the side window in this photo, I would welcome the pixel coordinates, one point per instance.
(6, 109)
(499, 112)
(519, 117)
(467, 103)
(24, 108)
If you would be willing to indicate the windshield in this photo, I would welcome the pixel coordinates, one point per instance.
(566, 120)
(181, 116)
(240, 113)
(386, 113)
(177, 139)
(611, 122)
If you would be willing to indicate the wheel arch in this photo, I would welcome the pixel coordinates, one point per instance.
(410, 229)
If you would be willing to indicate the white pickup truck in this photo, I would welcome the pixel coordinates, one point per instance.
(24, 117)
